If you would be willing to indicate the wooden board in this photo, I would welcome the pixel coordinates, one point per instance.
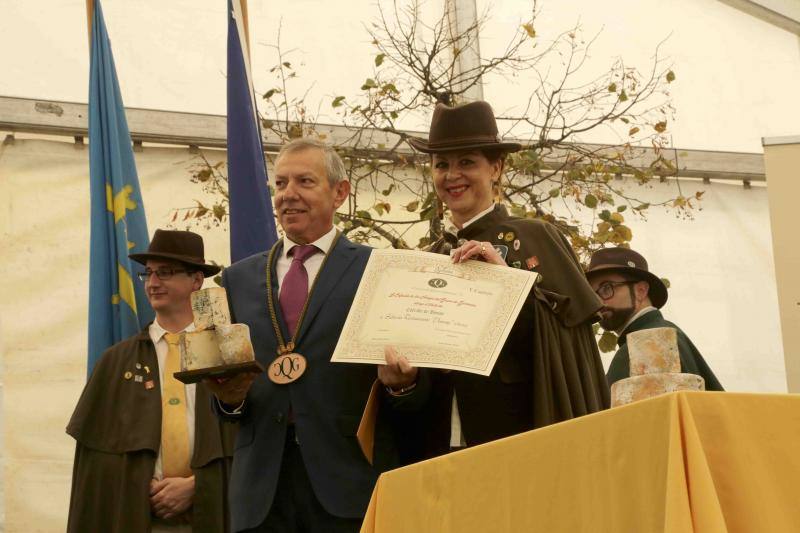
(222, 371)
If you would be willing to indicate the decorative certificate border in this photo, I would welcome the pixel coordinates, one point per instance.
(480, 349)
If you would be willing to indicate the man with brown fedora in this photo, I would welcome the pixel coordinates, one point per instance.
(632, 298)
(150, 454)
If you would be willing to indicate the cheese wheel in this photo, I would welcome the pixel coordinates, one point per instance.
(199, 349)
(653, 351)
(210, 308)
(234, 343)
(637, 388)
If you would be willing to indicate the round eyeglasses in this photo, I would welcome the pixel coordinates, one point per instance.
(606, 289)
(162, 273)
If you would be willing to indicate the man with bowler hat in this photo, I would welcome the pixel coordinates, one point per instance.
(632, 298)
(150, 454)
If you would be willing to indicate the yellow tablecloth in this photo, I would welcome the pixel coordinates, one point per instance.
(683, 462)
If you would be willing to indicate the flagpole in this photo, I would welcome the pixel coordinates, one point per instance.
(246, 29)
(89, 19)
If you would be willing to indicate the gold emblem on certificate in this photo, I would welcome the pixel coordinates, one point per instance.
(287, 368)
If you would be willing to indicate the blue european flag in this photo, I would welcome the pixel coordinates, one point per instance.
(252, 223)
(118, 307)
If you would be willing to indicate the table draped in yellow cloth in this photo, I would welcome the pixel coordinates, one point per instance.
(680, 463)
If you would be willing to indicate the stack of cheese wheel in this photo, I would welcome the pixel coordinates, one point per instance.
(215, 341)
(655, 368)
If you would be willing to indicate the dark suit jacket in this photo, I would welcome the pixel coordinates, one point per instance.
(327, 401)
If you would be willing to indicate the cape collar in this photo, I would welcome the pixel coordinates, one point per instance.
(647, 318)
(490, 219)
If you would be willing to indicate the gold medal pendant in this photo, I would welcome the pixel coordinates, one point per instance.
(287, 368)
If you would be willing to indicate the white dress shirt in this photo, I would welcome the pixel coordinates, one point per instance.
(451, 227)
(312, 264)
(157, 336)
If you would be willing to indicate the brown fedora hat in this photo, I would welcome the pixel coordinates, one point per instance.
(626, 261)
(184, 246)
(462, 127)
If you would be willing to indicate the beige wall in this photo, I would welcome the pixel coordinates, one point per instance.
(782, 163)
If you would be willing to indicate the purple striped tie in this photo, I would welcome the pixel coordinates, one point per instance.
(294, 288)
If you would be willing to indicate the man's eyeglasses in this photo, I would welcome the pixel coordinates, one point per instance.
(162, 273)
(606, 289)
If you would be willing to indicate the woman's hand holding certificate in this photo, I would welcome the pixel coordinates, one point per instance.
(434, 312)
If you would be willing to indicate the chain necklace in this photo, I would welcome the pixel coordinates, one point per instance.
(289, 366)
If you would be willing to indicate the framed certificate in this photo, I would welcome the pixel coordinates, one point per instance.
(435, 313)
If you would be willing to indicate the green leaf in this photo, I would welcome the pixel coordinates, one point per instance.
(369, 84)
(379, 59)
(623, 96)
(612, 88)
(555, 192)
(633, 131)
(590, 201)
(666, 282)
(607, 342)
(287, 64)
(642, 207)
(605, 214)
(670, 76)
(621, 208)
(382, 207)
(203, 175)
(623, 232)
(363, 214)
(412, 206)
(389, 88)
(387, 192)
(394, 114)
(270, 93)
(518, 211)
(337, 102)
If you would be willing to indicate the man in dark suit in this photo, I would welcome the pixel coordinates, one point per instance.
(298, 465)
(632, 298)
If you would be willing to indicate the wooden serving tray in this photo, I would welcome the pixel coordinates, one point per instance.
(222, 371)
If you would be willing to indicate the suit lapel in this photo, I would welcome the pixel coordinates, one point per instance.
(334, 269)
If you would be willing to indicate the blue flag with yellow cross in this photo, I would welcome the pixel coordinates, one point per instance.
(118, 307)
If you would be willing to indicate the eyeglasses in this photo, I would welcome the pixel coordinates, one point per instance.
(606, 289)
(162, 273)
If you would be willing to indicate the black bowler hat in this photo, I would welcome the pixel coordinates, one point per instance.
(183, 246)
(626, 261)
